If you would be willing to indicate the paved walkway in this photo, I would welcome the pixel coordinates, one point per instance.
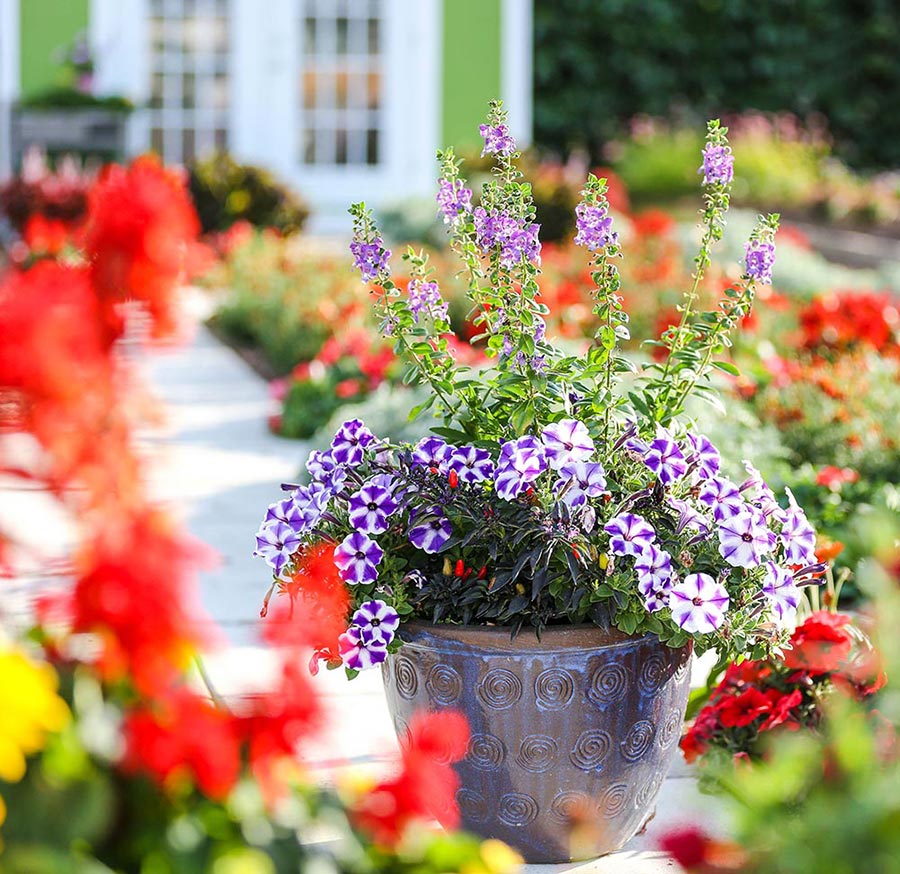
(218, 466)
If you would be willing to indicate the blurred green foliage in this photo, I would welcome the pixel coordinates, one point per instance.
(597, 65)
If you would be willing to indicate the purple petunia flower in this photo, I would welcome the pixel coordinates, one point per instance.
(759, 259)
(521, 462)
(745, 539)
(594, 227)
(276, 542)
(718, 165)
(432, 452)
(698, 603)
(565, 441)
(357, 557)
(665, 459)
(580, 480)
(701, 453)
(288, 512)
(453, 199)
(688, 517)
(425, 297)
(371, 259)
(472, 465)
(722, 496)
(350, 442)
(764, 497)
(655, 598)
(360, 649)
(323, 469)
(781, 591)
(797, 535)
(629, 534)
(431, 531)
(497, 140)
(653, 567)
(376, 620)
(370, 509)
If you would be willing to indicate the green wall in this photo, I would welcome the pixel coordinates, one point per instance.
(48, 27)
(472, 60)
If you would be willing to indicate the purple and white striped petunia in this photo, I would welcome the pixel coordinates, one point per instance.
(321, 465)
(350, 442)
(432, 452)
(702, 455)
(580, 480)
(370, 509)
(288, 512)
(276, 542)
(431, 531)
(357, 557)
(360, 649)
(762, 496)
(698, 603)
(565, 441)
(797, 535)
(781, 591)
(722, 496)
(665, 459)
(521, 462)
(745, 539)
(657, 598)
(688, 517)
(653, 567)
(472, 465)
(376, 619)
(629, 534)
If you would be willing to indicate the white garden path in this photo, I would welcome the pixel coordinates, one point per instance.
(216, 465)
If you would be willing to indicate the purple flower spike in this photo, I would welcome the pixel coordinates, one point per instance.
(361, 650)
(744, 540)
(276, 542)
(432, 452)
(370, 509)
(357, 558)
(521, 462)
(371, 259)
(565, 441)
(425, 297)
(581, 480)
(781, 591)
(431, 532)
(629, 534)
(718, 165)
(759, 259)
(653, 567)
(665, 459)
(722, 496)
(377, 620)
(350, 442)
(698, 604)
(472, 465)
(453, 199)
(594, 227)
(797, 535)
(497, 140)
(702, 455)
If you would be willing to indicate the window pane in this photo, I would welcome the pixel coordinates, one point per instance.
(374, 36)
(340, 152)
(371, 146)
(342, 36)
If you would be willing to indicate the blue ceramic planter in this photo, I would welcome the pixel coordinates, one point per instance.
(572, 735)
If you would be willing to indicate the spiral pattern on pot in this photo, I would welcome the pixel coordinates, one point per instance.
(554, 689)
(609, 683)
(517, 809)
(565, 804)
(406, 677)
(653, 673)
(637, 741)
(648, 791)
(538, 753)
(590, 749)
(444, 684)
(485, 752)
(473, 805)
(670, 730)
(614, 800)
(500, 689)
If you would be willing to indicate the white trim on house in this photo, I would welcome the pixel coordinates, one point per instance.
(9, 78)
(517, 40)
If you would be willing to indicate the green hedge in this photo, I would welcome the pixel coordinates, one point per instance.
(597, 64)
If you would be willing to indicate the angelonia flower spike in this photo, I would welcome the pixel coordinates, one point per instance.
(547, 494)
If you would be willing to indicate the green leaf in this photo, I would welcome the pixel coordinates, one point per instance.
(727, 367)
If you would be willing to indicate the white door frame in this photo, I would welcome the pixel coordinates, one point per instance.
(9, 78)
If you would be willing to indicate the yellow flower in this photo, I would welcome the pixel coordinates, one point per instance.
(29, 710)
(496, 858)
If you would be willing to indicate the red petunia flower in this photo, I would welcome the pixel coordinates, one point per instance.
(736, 711)
(821, 644)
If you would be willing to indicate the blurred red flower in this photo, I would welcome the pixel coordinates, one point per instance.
(821, 644)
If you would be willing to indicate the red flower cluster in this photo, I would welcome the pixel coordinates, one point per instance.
(833, 478)
(845, 320)
(697, 852)
(756, 697)
(425, 788)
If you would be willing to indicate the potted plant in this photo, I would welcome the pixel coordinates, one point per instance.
(547, 558)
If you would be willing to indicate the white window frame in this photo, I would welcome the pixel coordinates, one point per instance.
(9, 78)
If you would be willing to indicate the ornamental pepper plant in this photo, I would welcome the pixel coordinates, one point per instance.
(559, 486)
